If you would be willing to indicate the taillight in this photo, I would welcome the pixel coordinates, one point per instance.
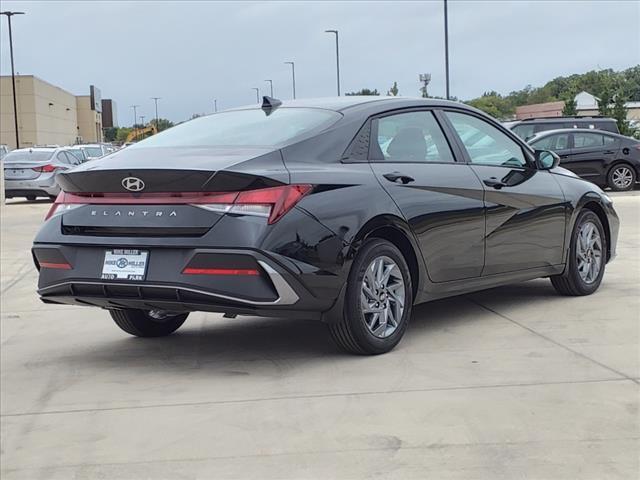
(45, 169)
(272, 203)
(59, 206)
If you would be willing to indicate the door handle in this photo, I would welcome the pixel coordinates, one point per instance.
(609, 152)
(398, 177)
(494, 182)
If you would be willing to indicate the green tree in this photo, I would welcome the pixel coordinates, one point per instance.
(364, 91)
(619, 112)
(393, 91)
(123, 132)
(493, 104)
(570, 107)
(110, 134)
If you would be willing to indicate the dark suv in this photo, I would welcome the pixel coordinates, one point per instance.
(525, 129)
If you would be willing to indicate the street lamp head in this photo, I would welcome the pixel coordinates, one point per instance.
(331, 31)
(9, 14)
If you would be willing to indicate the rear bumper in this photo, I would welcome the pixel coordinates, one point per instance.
(39, 187)
(276, 291)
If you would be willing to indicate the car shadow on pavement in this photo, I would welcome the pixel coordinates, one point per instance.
(214, 343)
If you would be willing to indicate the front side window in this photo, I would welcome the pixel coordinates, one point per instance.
(552, 142)
(411, 137)
(485, 144)
(247, 128)
(94, 151)
(587, 140)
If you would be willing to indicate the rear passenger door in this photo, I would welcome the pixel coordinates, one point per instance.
(590, 152)
(441, 199)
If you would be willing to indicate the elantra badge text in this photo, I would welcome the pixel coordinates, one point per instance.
(132, 213)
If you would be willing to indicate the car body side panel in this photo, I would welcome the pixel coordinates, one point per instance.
(525, 219)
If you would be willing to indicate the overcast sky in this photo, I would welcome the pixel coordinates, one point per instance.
(189, 53)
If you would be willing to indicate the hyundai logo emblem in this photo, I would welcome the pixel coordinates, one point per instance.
(133, 184)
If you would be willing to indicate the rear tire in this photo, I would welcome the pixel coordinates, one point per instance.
(578, 279)
(621, 177)
(140, 324)
(376, 308)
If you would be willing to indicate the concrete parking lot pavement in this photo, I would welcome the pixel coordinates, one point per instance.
(513, 382)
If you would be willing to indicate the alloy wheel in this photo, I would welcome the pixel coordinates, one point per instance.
(589, 252)
(622, 177)
(382, 297)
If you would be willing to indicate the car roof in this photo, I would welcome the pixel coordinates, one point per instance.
(589, 119)
(339, 104)
(546, 133)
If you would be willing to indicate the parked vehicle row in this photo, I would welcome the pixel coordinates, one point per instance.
(527, 128)
(606, 159)
(348, 210)
(31, 172)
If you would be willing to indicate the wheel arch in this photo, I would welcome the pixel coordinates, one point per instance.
(395, 230)
(595, 206)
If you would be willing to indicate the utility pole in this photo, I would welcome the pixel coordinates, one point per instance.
(215, 105)
(446, 48)
(13, 74)
(135, 119)
(271, 84)
(142, 120)
(293, 76)
(257, 94)
(337, 58)
(155, 99)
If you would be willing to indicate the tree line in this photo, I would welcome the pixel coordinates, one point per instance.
(613, 89)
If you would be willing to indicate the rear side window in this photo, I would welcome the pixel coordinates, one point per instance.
(553, 142)
(410, 137)
(243, 128)
(485, 144)
(587, 140)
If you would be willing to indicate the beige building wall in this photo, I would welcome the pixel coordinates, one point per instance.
(89, 121)
(46, 113)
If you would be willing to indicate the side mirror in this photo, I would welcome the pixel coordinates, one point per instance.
(546, 159)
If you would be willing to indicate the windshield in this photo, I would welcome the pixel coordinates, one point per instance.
(28, 156)
(243, 128)
(93, 151)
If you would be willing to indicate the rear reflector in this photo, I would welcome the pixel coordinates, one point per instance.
(219, 271)
(59, 266)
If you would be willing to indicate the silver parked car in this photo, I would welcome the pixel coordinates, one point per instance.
(30, 172)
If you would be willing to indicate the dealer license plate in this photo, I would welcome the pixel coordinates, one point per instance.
(124, 264)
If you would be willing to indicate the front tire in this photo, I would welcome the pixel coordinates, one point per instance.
(587, 257)
(142, 323)
(378, 301)
(621, 177)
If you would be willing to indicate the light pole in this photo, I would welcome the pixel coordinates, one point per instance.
(257, 94)
(142, 120)
(13, 75)
(215, 105)
(446, 48)
(135, 119)
(293, 76)
(155, 99)
(337, 58)
(271, 84)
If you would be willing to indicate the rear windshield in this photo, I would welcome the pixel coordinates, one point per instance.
(243, 128)
(28, 156)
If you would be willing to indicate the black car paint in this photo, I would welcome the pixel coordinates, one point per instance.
(594, 163)
(440, 221)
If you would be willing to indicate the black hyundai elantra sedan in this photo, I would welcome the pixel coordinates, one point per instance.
(348, 210)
